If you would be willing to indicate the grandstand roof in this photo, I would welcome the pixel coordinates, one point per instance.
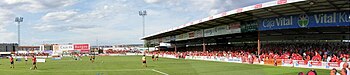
(258, 11)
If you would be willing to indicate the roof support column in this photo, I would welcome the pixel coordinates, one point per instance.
(204, 48)
(259, 44)
(203, 40)
(175, 47)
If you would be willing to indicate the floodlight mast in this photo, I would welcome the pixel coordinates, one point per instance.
(19, 20)
(143, 13)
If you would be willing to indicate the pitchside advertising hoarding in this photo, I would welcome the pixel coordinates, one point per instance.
(66, 47)
(324, 19)
(56, 49)
(59, 49)
(82, 47)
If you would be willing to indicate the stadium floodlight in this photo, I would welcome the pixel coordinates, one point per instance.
(19, 20)
(143, 13)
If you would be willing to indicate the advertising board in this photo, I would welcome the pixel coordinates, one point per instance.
(66, 47)
(324, 19)
(82, 47)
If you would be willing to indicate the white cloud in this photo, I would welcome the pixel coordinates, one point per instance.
(35, 5)
(6, 17)
(13, 1)
(102, 15)
(61, 27)
(44, 27)
(214, 11)
(151, 1)
(59, 16)
(118, 21)
(8, 37)
(210, 7)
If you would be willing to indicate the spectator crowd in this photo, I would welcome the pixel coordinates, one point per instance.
(326, 52)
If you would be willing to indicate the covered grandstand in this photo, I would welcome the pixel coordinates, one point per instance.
(277, 21)
(321, 27)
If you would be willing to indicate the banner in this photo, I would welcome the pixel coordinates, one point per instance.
(160, 40)
(167, 39)
(172, 38)
(280, 62)
(183, 36)
(249, 26)
(272, 61)
(209, 32)
(191, 34)
(300, 63)
(333, 64)
(287, 62)
(323, 19)
(66, 47)
(56, 49)
(221, 30)
(198, 33)
(40, 60)
(234, 59)
(179, 37)
(82, 47)
(316, 63)
(234, 28)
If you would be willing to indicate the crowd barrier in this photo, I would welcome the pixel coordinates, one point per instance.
(280, 62)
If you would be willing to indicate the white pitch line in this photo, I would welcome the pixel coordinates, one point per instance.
(159, 72)
(76, 70)
(89, 70)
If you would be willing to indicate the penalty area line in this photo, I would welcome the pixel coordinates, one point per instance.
(159, 72)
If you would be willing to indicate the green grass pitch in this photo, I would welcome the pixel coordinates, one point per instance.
(131, 65)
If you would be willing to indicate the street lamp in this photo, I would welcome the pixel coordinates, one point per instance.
(19, 20)
(143, 13)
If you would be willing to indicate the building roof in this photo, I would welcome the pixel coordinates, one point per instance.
(28, 46)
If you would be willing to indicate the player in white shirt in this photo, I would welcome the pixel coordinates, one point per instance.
(26, 58)
(144, 61)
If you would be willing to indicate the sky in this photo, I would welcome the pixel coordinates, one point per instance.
(103, 22)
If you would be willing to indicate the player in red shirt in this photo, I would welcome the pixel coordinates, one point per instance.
(34, 63)
(12, 62)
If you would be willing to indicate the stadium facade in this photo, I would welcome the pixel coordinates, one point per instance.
(8, 47)
(280, 21)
